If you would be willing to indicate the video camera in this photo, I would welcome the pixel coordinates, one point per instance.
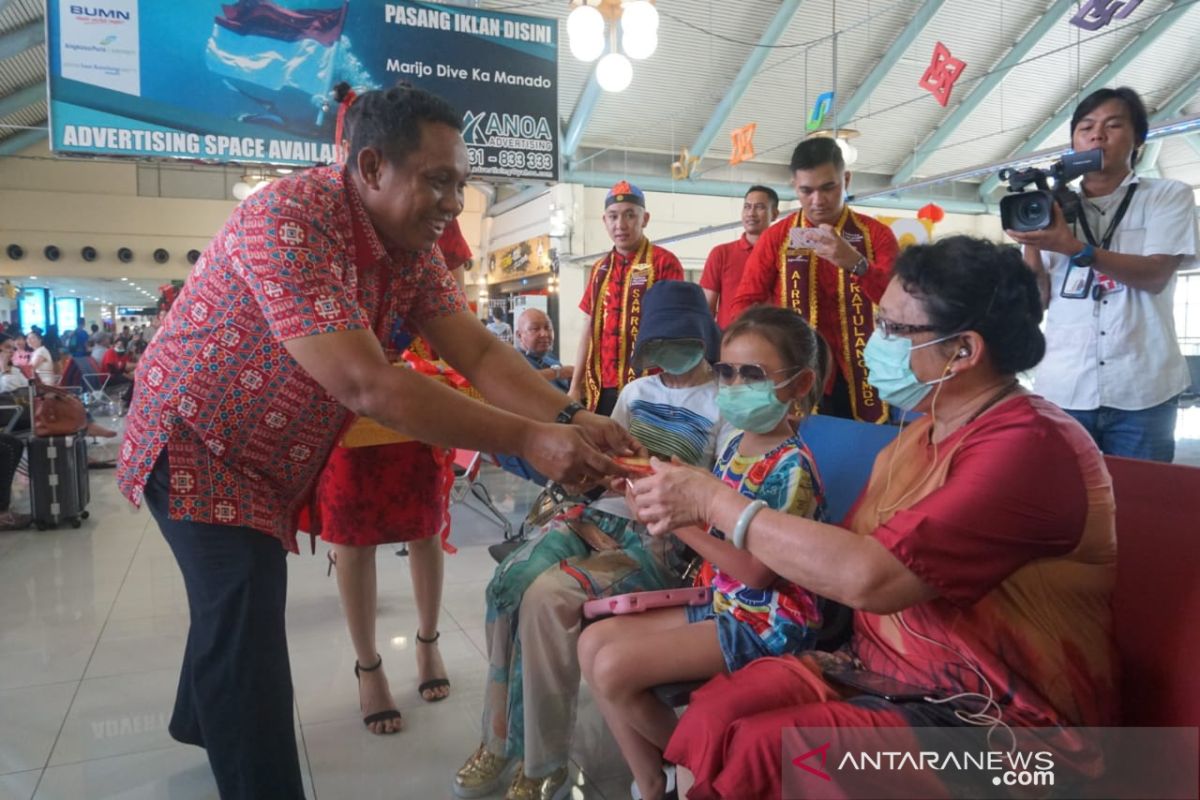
(1034, 210)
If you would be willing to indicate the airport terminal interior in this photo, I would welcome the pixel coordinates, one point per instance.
(675, 107)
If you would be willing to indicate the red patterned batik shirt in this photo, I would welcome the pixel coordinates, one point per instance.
(246, 429)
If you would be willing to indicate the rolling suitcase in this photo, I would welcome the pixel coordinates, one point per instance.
(58, 480)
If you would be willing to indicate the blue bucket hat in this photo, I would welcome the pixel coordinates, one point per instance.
(676, 310)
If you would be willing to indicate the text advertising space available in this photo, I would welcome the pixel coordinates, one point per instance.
(251, 81)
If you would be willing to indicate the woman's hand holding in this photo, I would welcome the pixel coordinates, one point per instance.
(676, 495)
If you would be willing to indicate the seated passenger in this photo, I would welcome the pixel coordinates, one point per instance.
(771, 362)
(11, 378)
(535, 340)
(980, 559)
(535, 598)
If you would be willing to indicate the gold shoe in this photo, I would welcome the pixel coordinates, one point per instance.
(481, 775)
(553, 787)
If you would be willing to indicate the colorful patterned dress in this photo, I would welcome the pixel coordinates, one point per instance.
(785, 616)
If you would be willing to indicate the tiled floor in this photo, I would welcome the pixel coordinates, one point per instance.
(92, 624)
(92, 627)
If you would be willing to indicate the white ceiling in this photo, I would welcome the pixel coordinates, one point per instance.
(703, 44)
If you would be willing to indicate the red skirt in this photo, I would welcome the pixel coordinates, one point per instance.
(388, 493)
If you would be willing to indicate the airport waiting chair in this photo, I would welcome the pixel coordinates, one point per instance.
(467, 464)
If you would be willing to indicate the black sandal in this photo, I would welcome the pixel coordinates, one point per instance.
(435, 683)
(378, 716)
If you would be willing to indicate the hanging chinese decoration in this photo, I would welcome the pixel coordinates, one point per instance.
(743, 143)
(944, 69)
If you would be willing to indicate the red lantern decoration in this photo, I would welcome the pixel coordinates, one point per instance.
(932, 212)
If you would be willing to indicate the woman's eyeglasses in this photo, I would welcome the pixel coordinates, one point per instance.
(890, 329)
(749, 373)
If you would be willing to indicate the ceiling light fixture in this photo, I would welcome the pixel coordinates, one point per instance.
(637, 21)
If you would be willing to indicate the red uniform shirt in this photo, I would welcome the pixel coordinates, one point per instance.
(761, 281)
(722, 274)
(666, 268)
(114, 363)
(245, 428)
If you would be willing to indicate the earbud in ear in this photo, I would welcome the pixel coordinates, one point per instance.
(963, 353)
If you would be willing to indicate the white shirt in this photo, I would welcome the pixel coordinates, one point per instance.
(12, 380)
(1121, 351)
(45, 370)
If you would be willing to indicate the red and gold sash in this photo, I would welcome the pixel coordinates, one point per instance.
(641, 277)
(848, 325)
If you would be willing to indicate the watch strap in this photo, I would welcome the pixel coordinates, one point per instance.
(567, 414)
(1085, 257)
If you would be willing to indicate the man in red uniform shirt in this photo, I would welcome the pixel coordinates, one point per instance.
(612, 302)
(723, 269)
(831, 265)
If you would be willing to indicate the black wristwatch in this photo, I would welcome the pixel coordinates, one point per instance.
(860, 267)
(567, 414)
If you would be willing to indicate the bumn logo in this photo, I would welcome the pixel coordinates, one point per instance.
(96, 12)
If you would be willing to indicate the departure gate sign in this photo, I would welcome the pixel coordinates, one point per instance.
(251, 81)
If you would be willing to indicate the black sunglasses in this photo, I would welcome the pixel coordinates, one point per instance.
(749, 373)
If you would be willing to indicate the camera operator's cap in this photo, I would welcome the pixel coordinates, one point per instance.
(625, 192)
(676, 310)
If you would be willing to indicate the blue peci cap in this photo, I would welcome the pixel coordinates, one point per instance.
(625, 192)
(676, 310)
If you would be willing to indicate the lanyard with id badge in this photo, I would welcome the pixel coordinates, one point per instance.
(1079, 282)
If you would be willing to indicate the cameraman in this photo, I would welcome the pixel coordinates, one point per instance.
(1108, 282)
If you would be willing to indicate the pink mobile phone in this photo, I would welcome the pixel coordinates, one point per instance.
(636, 602)
(805, 237)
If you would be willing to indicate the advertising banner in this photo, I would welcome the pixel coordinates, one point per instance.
(530, 257)
(252, 81)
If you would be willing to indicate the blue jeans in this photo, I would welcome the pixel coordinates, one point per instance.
(1147, 434)
(235, 686)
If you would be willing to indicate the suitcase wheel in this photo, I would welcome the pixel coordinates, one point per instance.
(83, 515)
(76, 522)
(41, 526)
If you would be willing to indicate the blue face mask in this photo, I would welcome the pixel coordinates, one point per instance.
(889, 362)
(751, 407)
(676, 358)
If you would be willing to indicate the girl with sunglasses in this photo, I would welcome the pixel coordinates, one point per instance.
(773, 367)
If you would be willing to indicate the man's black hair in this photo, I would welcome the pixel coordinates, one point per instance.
(1133, 102)
(390, 120)
(768, 191)
(817, 152)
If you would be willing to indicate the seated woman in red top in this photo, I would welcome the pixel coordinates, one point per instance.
(980, 559)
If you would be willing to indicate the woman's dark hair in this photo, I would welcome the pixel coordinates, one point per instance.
(1132, 101)
(969, 284)
(390, 120)
(797, 343)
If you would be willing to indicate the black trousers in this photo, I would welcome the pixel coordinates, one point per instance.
(235, 694)
(607, 401)
(11, 449)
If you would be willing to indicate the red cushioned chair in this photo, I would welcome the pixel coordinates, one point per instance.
(1157, 600)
